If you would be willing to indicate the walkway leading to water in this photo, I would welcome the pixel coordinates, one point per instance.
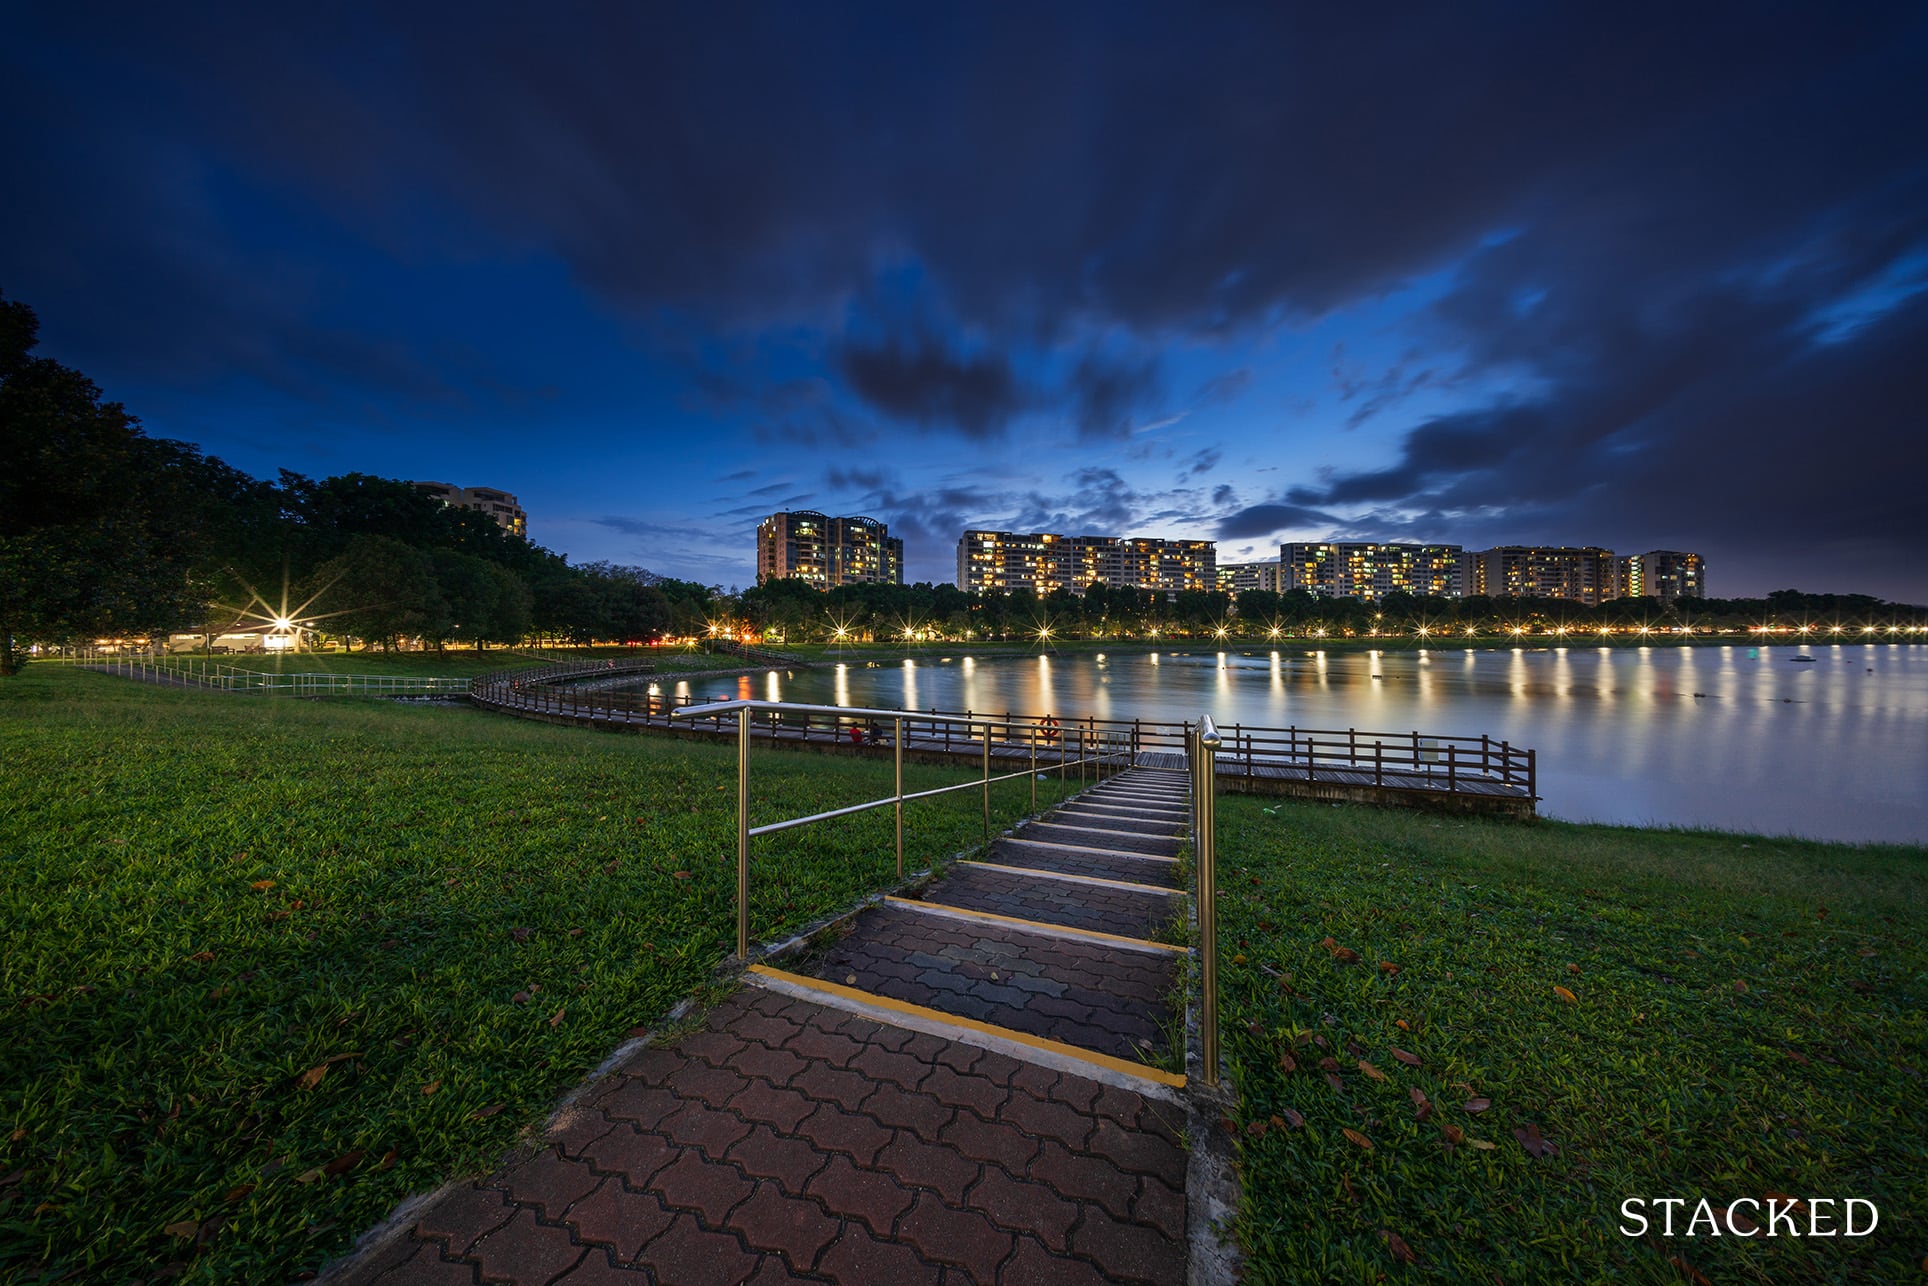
(974, 1085)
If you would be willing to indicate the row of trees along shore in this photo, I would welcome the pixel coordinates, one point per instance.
(105, 531)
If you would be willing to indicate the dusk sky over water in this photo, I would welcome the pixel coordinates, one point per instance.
(1646, 277)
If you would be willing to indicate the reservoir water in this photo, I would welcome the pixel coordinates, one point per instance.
(1829, 742)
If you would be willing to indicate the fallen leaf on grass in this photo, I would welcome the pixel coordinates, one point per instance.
(1410, 1060)
(1566, 995)
(1573, 968)
(1345, 1185)
(388, 1160)
(1356, 1139)
(1535, 1145)
(184, 1228)
(1389, 966)
(1422, 1106)
(1292, 1119)
(430, 1088)
(1483, 1145)
(1865, 952)
(343, 1164)
(1688, 1271)
(1371, 1071)
(556, 1018)
(1478, 1105)
(575, 933)
(1402, 1024)
(262, 885)
(521, 935)
(484, 1113)
(1256, 1129)
(520, 998)
(1335, 1082)
(1740, 986)
(312, 1077)
(238, 1194)
(202, 956)
(1328, 1064)
(1454, 1135)
(1798, 1057)
(1397, 1245)
(1288, 1064)
(680, 875)
(309, 1176)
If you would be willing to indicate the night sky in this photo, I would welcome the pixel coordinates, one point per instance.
(1637, 276)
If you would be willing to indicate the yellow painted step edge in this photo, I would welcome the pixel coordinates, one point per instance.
(1078, 879)
(1041, 926)
(1174, 1079)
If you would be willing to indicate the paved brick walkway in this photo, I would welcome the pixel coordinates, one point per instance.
(823, 1140)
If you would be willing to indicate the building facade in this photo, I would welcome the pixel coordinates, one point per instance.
(805, 545)
(1236, 578)
(1367, 571)
(499, 505)
(1576, 573)
(1665, 574)
(1044, 561)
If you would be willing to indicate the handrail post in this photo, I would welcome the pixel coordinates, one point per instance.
(987, 783)
(1034, 767)
(1204, 840)
(743, 834)
(897, 739)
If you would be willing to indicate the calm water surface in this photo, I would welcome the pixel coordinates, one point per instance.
(1740, 738)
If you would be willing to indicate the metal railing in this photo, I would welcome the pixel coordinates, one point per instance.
(1202, 743)
(1102, 756)
(220, 676)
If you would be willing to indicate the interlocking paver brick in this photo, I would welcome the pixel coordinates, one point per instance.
(833, 1085)
(859, 1259)
(630, 1153)
(963, 1237)
(712, 1085)
(830, 1130)
(689, 1255)
(717, 1048)
(597, 1270)
(926, 1166)
(1129, 1251)
(711, 1188)
(830, 1047)
(546, 1181)
(872, 1196)
(651, 1064)
(785, 1158)
(577, 1127)
(1085, 1178)
(772, 1271)
(638, 1102)
(1160, 1206)
(921, 1114)
(428, 1268)
(614, 1216)
(1024, 1207)
(795, 1227)
(774, 1065)
(1138, 1152)
(1047, 1120)
(900, 1069)
(993, 1142)
(697, 1125)
(1032, 1265)
(977, 1093)
(463, 1217)
(768, 1103)
(525, 1251)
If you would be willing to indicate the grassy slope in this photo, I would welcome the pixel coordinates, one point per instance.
(1747, 1016)
(202, 898)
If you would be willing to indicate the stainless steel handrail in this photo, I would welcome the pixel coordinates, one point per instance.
(1110, 750)
(1202, 745)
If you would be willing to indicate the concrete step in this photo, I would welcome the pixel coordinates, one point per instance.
(1115, 820)
(1089, 995)
(1134, 868)
(1131, 913)
(1093, 836)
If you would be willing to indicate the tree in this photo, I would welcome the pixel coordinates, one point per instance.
(382, 591)
(486, 602)
(102, 528)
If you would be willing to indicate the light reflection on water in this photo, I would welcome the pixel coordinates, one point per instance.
(1741, 738)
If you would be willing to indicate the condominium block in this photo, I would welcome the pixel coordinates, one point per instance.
(1580, 574)
(826, 552)
(1044, 561)
(1236, 578)
(499, 505)
(1665, 574)
(1367, 570)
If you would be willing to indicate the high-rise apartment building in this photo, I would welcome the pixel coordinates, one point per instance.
(499, 505)
(1665, 574)
(1366, 570)
(1579, 574)
(1236, 578)
(805, 545)
(1044, 561)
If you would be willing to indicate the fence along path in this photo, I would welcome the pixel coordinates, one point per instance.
(1478, 767)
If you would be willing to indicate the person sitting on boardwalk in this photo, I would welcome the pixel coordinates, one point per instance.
(856, 735)
(873, 735)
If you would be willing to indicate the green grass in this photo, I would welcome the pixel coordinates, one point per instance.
(205, 898)
(1746, 1016)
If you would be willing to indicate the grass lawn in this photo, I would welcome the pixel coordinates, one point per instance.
(1674, 1014)
(269, 966)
